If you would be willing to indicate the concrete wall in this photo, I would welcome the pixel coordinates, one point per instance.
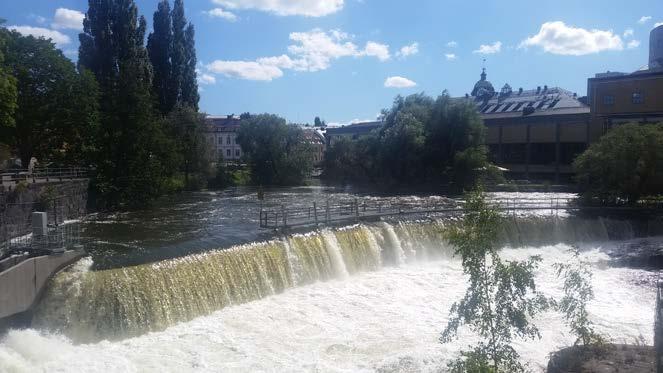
(21, 286)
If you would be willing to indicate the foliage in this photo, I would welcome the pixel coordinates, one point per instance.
(8, 91)
(319, 123)
(624, 165)
(276, 152)
(577, 293)
(135, 156)
(56, 115)
(422, 140)
(171, 47)
(501, 298)
(187, 129)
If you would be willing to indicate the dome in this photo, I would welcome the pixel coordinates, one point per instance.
(483, 87)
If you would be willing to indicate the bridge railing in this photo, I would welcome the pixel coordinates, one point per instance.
(282, 216)
(41, 175)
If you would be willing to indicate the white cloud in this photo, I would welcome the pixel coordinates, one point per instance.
(628, 33)
(633, 44)
(220, 13)
(205, 79)
(452, 44)
(309, 8)
(248, 70)
(644, 19)
(40, 32)
(399, 82)
(381, 51)
(68, 19)
(496, 47)
(408, 50)
(312, 51)
(450, 56)
(558, 38)
(658, 24)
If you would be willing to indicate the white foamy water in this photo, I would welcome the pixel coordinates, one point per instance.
(389, 319)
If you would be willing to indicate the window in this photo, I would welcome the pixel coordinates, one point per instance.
(228, 140)
(220, 140)
(637, 98)
(608, 100)
(237, 153)
(228, 153)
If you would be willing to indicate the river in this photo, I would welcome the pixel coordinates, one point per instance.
(193, 285)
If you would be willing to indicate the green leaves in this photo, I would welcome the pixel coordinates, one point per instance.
(624, 165)
(578, 292)
(501, 299)
(275, 151)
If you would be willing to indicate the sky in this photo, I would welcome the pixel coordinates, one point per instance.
(345, 60)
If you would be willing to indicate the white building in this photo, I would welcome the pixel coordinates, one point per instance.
(222, 136)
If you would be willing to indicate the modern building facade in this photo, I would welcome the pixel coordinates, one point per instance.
(534, 134)
(222, 137)
(618, 98)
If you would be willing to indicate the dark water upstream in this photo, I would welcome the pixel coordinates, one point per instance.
(195, 222)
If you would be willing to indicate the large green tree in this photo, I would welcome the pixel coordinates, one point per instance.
(159, 47)
(135, 158)
(624, 165)
(172, 51)
(8, 92)
(56, 114)
(422, 140)
(188, 127)
(276, 152)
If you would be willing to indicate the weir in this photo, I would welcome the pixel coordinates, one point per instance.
(118, 303)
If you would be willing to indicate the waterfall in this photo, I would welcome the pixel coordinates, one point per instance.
(112, 304)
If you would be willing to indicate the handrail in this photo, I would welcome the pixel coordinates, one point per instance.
(43, 174)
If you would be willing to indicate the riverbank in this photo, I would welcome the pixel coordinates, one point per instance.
(606, 358)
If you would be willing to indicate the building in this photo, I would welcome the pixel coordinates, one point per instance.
(222, 137)
(352, 131)
(618, 98)
(534, 134)
(316, 139)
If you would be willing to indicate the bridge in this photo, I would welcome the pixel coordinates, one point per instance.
(354, 211)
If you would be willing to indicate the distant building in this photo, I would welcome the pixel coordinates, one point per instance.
(536, 133)
(316, 139)
(635, 97)
(352, 131)
(222, 137)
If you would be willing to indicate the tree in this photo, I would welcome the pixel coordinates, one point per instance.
(187, 127)
(56, 114)
(159, 47)
(623, 166)
(317, 122)
(422, 140)
(172, 51)
(136, 159)
(578, 292)
(8, 93)
(501, 298)
(276, 152)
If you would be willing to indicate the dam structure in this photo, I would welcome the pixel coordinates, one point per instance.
(358, 296)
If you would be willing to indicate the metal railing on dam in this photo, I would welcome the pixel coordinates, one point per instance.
(278, 217)
(11, 178)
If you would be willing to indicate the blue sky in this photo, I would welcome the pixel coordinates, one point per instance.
(344, 60)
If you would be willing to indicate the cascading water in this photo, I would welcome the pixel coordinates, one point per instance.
(89, 306)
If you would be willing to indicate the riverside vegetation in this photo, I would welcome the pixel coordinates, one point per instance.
(501, 299)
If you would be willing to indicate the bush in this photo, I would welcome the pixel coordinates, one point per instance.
(624, 166)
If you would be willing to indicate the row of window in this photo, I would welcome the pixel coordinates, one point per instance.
(229, 153)
(229, 140)
(636, 98)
